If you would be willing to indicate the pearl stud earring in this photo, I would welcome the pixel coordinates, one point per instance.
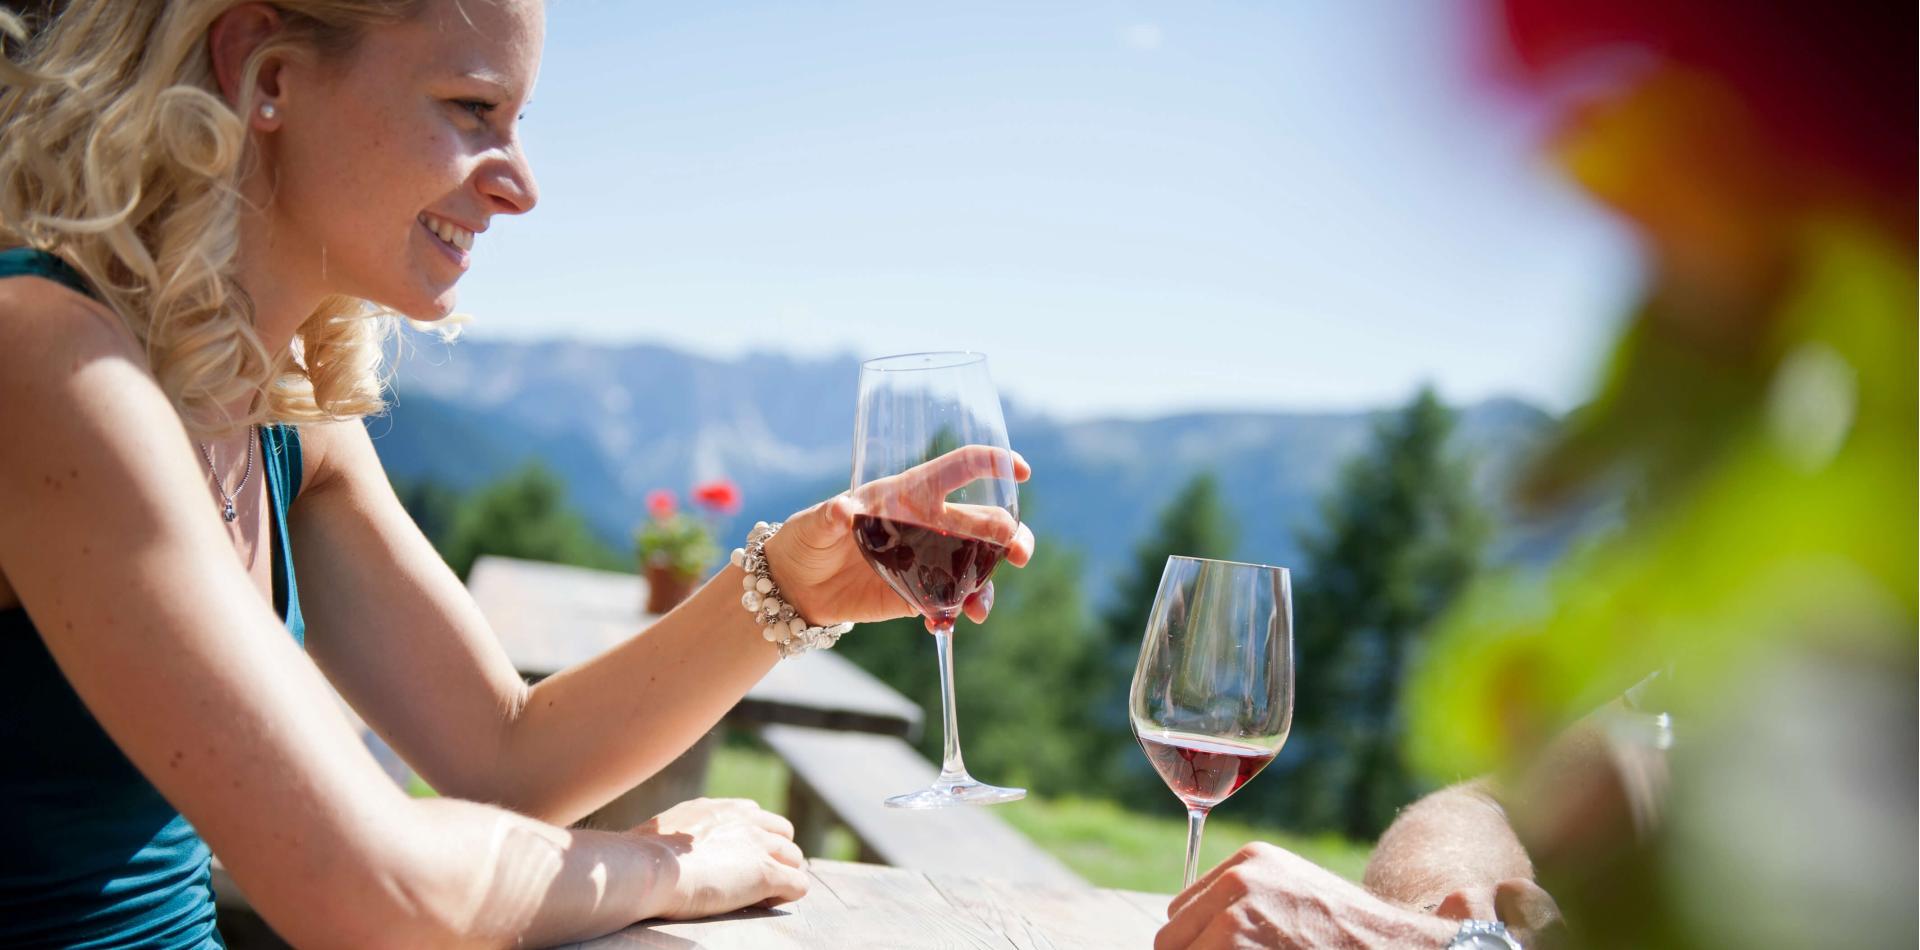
(267, 111)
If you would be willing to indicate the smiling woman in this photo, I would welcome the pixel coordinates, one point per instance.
(209, 213)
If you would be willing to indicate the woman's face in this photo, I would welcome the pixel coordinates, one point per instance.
(387, 164)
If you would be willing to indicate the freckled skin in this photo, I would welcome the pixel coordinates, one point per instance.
(365, 146)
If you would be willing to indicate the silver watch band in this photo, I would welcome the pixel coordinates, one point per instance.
(1483, 935)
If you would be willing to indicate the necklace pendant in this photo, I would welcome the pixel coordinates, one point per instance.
(230, 513)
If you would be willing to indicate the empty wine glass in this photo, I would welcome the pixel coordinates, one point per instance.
(934, 489)
(1212, 696)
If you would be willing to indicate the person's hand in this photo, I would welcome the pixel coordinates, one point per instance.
(721, 854)
(1267, 896)
(821, 572)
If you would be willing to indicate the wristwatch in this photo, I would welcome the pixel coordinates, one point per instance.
(1483, 935)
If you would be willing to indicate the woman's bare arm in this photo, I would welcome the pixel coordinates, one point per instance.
(399, 635)
(106, 537)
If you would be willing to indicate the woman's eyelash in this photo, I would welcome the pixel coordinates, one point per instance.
(480, 108)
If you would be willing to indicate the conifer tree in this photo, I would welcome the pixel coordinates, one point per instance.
(1400, 534)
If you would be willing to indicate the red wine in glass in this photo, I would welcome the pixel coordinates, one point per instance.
(933, 481)
(934, 570)
(1204, 771)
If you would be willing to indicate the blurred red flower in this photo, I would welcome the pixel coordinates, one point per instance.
(1828, 87)
(719, 495)
(660, 504)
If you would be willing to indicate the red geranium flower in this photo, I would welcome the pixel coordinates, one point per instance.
(719, 495)
(660, 504)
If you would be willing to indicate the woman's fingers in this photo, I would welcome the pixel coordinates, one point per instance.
(776, 824)
(1021, 550)
(785, 851)
(964, 465)
(986, 522)
(786, 884)
(979, 604)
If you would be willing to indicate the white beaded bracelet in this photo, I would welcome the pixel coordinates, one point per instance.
(779, 622)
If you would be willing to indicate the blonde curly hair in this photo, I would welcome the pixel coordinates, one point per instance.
(118, 152)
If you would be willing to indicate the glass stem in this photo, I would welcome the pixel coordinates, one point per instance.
(1196, 822)
(951, 767)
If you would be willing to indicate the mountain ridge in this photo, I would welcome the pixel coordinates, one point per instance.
(617, 420)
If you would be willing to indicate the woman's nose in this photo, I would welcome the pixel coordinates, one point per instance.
(508, 183)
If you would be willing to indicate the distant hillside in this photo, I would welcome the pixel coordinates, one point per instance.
(617, 421)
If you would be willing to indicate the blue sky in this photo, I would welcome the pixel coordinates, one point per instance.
(1134, 208)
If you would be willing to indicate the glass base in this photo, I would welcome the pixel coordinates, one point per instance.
(962, 791)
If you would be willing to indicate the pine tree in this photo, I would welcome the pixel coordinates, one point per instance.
(1400, 535)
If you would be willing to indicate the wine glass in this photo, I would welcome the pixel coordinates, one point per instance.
(936, 506)
(1212, 696)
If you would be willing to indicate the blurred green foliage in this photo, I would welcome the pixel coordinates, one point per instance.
(1743, 648)
(1769, 570)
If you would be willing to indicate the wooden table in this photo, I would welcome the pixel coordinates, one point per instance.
(868, 907)
(551, 616)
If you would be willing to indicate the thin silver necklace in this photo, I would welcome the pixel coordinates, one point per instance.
(206, 452)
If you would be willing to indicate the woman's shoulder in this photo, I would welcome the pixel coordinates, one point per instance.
(42, 317)
(69, 366)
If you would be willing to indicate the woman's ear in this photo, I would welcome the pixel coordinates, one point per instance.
(232, 40)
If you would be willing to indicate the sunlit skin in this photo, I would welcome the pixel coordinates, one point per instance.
(173, 631)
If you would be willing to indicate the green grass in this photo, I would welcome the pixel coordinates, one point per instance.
(1100, 841)
(1113, 847)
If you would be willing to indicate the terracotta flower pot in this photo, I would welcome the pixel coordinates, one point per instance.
(666, 587)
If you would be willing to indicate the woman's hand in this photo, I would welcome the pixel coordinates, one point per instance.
(722, 854)
(820, 569)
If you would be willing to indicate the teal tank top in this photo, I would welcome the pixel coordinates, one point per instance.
(91, 855)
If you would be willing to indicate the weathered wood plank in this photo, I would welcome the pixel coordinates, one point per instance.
(853, 773)
(1153, 905)
(798, 924)
(895, 907)
(1049, 917)
(551, 616)
(849, 905)
(828, 691)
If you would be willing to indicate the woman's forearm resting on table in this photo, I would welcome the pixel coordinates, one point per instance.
(444, 872)
(465, 874)
(592, 731)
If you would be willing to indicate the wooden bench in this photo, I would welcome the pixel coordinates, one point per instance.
(846, 776)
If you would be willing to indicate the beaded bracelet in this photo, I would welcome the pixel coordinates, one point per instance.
(779, 622)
